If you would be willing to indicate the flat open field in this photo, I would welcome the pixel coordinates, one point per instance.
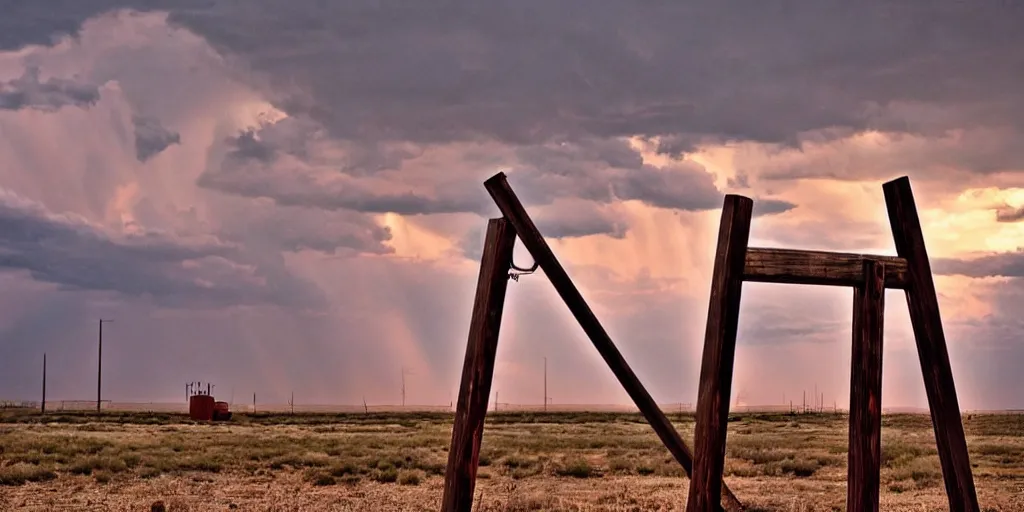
(529, 461)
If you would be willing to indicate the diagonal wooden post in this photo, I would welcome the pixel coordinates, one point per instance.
(865, 441)
(931, 346)
(719, 355)
(478, 367)
(534, 242)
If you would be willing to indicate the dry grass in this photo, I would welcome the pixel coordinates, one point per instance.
(531, 461)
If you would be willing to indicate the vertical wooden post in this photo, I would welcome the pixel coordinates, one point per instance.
(719, 355)
(478, 367)
(42, 405)
(534, 242)
(931, 346)
(865, 441)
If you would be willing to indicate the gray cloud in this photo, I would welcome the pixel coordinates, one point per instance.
(74, 254)
(295, 229)
(151, 137)
(27, 23)
(532, 71)
(607, 170)
(252, 169)
(278, 163)
(1006, 264)
(1008, 213)
(763, 207)
(984, 151)
(28, 91)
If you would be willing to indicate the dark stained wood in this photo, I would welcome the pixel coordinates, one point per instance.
(719, 354)
(791, 266)
(865, 453)
(534, 242)
(931, 346)
(478, 367)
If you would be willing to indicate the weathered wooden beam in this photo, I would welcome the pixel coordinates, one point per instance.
(931, 346)
(719, 355)
(478, 367)
(534, 242)
(865, 435)
(791, 266)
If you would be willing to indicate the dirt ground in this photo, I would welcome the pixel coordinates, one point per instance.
(607, 462)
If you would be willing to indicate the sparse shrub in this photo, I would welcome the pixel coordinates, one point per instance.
(102, 477)
(323, 479)
(896, 452)
(620, 465)
(200, 463)
(87, 465)
(801, 468)
(407, 477)
(577, 468)
(517, 461)
(386, 476)
(346, 468)
(925, 472)
(20, 473)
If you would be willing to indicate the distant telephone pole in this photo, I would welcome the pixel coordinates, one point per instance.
(99, 368)
(403, 387)
(42, 405)
(545, 384)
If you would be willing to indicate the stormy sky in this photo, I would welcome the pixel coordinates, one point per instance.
(285, 197)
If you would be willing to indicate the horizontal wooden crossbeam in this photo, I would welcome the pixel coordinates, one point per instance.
(790, 266)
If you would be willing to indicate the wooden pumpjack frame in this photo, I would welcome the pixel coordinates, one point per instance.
(478, 367)
(869, 275)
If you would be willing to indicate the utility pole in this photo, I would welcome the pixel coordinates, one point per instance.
(99, 368)
(495, 401)
(403, 387)
(291, 402)
(254, 402)
(42, 405)
(545, 384)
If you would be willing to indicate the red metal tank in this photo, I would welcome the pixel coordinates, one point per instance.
(221, 412)
(200, 407)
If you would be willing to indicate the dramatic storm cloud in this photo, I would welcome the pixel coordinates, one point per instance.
(286, 197)
(27, 91)
(151, 137)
